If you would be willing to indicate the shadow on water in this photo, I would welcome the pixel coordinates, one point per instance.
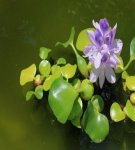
(24, 27)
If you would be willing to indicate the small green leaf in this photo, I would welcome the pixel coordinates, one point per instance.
(48, 82)
(28, 74)
(83, 40)
(29, 95)
(130, 83)
(132, 49)
(44, 52)
(130, 110)
(39, 92)
(76, 113)
(61, 99)
(87, 89)
(45, 68)
(68, 71)
(98, 103)
(56, 70)
(70, 40)
(124, 75)
(82, 66)
(95, 124)
(116, 113)
(61, 61)
(76, 84)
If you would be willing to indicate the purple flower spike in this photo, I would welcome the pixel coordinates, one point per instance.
(103, 52)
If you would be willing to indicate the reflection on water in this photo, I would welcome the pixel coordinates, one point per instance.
(24, 27)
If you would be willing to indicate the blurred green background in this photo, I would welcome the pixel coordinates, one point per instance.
(25, 26)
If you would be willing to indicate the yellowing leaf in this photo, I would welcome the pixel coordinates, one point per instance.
(68, 71)
(130, 82)
(28, 74)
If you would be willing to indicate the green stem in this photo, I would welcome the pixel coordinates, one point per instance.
(72, 45)
(128, 64)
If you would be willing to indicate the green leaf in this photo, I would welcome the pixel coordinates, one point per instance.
(76, 84)
(39, 92)
(83, 39)
(61, 99)
(132, 49)
(130, 110)
(68, 71)
(87, 89)
(82, 66)
(70, 40)
(28, 74)
(44, 52)
(116, 113)
(124, 75)
(48, 82)
(56, 70)
(98, 103)
(45, 68)
(61, 61)
(29, 95)
(130, 83)
(95, 124)
(76, 113)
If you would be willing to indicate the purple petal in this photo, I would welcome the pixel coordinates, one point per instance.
(91, 35)
(101, 78)
(98, 38)
(96, 25)
(110, 75)
(104, 25)
(94, 75)
(97, 61)
(117, 44)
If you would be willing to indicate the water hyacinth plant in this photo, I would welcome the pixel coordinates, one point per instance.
(86, 93)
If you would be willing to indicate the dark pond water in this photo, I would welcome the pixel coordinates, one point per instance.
(25, 25)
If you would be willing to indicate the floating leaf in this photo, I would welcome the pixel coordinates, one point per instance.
(132, 98)
(45, 68)
(87, 89)
(124, 75)
(28, 74)
(76, 113)
(70, 40)
(132, 49)
(82, 66)
(130, 83)
(39, 92)
(44, 52)
(29, 95)
(76, 84)
(116, 113)
(95, 124)
(48, 82)
(130, 110)
(61, 61)
(61, 99)
(98, 103)
(68, 71)
(83, 39)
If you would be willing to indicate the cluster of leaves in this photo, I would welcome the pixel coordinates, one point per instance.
(75, 99)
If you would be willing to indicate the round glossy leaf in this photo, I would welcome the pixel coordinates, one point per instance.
(44, 52)
(76, 113)
(61, 61)
(82, 66)
(28, 74)
(61, 99)
(95, 124)
(130, 110)
(39, 92)
(87, 89)
(116, 112)
(68, 71)
(98, 102)
(132, 98)
(83, 40)
(44, 68)
(132, 49)
(124, 75)
(130, 83)
(29, 95)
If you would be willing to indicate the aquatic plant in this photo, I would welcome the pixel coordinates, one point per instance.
(73, 91)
